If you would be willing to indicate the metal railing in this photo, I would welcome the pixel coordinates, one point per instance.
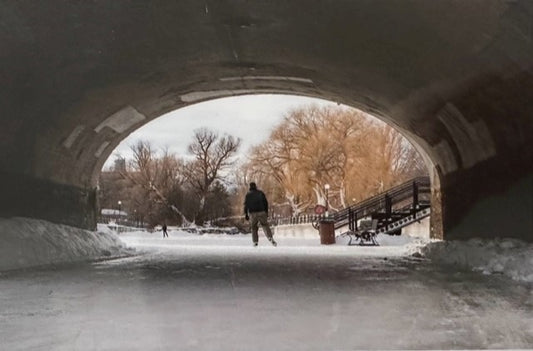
(301, 219)
(408, 196)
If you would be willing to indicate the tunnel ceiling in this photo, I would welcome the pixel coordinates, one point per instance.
(79, 76)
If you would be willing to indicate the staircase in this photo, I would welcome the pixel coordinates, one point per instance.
(393, 209)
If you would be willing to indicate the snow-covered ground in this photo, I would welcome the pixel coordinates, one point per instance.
(389, 245)
(26, 242)
(510, 257)
(218, 292)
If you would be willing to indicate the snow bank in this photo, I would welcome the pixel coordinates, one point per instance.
(295, 231)
(26, 242)
(510, 257)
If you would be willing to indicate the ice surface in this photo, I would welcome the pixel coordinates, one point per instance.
(26, 242)
(396, 246)
(510, 257)
(218, 292)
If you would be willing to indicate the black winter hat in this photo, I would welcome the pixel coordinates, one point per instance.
(253, 186)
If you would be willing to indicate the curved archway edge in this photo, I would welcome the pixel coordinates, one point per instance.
(455, 77)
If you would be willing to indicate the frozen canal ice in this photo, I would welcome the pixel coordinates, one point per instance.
(220, 293)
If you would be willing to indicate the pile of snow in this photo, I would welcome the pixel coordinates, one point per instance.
(510, 257)
(26, 242)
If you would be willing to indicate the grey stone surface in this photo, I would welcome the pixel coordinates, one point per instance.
(454, 76)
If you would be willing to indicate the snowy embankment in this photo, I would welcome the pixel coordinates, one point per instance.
(26, 242)
(240, 245)
(510, 257)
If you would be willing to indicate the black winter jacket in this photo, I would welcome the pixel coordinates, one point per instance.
(255, 201)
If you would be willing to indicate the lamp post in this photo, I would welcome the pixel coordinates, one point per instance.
(119, 207)
(326, 188)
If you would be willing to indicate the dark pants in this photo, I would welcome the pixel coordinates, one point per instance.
(165, 234)
(257, 218)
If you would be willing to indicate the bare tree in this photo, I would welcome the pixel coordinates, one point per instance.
(212, 155)
(158, 176)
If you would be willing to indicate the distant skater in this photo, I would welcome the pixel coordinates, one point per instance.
(165, 234)
(256, 210)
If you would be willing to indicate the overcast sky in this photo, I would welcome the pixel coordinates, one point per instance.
(249, 117)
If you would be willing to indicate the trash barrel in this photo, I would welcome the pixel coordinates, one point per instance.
(326, 230)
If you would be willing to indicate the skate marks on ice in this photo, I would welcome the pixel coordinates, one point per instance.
(218, 299)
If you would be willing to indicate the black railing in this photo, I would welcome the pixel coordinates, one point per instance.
(301, 219)
(409, 196)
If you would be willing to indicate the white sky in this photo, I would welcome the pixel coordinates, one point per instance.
(249, 117)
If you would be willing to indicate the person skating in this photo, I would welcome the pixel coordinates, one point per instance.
(164, 228)
(256, 210)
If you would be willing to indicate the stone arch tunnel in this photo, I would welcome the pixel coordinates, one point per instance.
(455, 77)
